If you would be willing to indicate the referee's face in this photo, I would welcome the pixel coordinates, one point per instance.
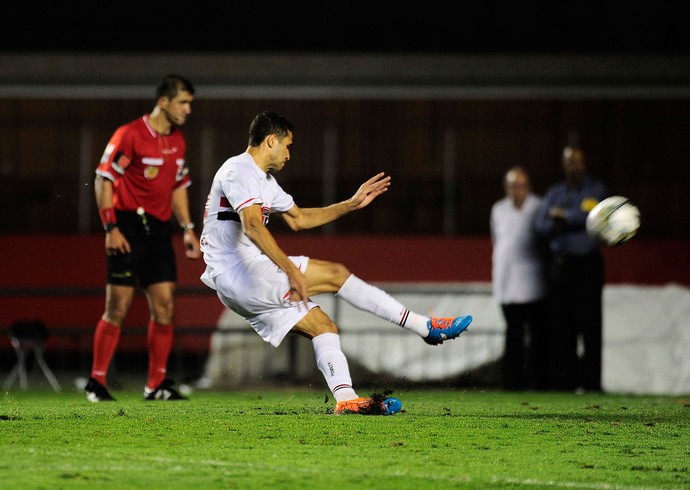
(178, 108)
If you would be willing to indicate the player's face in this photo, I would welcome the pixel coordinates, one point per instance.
(178, 108)
(280, 152)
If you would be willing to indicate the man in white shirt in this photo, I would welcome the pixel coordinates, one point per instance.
(257, 280)
(519, 283)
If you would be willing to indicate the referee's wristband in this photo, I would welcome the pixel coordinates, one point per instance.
(108, 219)
(188, 226)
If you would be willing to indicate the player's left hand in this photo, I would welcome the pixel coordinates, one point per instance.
(191, 245)
(370, 190)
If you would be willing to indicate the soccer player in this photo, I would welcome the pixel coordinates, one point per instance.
(140, 182)
(272, 291)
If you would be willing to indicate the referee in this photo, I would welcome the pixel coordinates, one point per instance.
(141, 181)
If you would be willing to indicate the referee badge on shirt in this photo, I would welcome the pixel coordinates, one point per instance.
(150, 172)
(151, 167)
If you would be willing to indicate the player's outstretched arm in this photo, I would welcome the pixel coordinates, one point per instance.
(304, 218)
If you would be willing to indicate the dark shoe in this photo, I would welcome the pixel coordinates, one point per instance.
(164, 391)
(96, 392)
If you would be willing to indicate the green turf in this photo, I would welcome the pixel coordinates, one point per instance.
(290, 439)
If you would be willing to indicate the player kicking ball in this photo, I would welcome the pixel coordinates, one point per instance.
(271, 290)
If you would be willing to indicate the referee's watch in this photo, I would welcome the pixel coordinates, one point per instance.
(188, 226)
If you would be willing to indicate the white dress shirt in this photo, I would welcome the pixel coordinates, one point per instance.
(517, 269)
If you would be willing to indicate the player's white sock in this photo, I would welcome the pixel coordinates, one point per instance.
(374, 300)
(333, 365)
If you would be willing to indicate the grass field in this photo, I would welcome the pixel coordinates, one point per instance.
(289, 438)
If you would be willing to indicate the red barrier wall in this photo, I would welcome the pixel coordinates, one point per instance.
(49, 261)
(60, 278)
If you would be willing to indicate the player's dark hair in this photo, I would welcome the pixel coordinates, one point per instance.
(171, 85)
(265, 124)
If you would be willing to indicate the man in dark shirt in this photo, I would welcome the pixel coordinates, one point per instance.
(576, 275)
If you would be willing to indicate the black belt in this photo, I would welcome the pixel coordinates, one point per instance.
(228, 216)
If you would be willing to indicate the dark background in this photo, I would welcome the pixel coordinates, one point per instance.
(373, 26)
(638, 146)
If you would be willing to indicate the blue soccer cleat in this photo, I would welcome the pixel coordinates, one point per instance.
(441, 329)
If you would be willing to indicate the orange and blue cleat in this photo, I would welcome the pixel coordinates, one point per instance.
(369, 406)
(441, 329)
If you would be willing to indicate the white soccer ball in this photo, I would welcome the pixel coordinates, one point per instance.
(613, 221)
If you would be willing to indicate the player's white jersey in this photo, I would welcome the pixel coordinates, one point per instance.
(238, 183)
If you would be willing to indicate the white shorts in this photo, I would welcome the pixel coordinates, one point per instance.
(259, 292)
